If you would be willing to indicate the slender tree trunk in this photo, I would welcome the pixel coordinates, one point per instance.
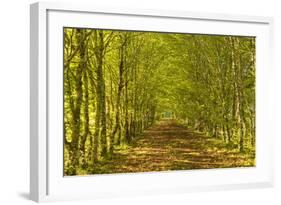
(101, 106)
(127, 136)
(74, 146)
(95, 136)
(110, 138)
(116, 133)
(109, 145)
(239, 94)
(86, 121)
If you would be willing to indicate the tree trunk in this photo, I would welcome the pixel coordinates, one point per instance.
(116, 133)
(74, 146)
(86, 121)
(127, 136)
(101, 106)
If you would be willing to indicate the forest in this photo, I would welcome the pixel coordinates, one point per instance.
(150, 101)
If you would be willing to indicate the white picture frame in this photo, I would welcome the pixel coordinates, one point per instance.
(46, 176)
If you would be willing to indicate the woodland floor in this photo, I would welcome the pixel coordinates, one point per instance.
(169, 146)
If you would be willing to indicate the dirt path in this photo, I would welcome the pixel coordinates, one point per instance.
(169, 146)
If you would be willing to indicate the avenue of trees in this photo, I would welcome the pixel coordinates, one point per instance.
(118, 83)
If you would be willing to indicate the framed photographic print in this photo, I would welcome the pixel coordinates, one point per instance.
(126, 102)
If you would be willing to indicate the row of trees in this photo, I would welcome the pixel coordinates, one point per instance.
(217, 90)
(109, 97)
(117, 83)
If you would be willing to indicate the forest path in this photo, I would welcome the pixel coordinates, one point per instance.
(169, 146)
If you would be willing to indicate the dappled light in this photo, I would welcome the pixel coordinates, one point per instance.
(174, 149)
(149, 101)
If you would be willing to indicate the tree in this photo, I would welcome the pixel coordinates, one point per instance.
(118, 83)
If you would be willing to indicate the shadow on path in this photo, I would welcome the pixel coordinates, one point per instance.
(169, 146)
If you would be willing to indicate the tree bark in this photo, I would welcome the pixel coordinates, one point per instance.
(74, 146)
(86, 120)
